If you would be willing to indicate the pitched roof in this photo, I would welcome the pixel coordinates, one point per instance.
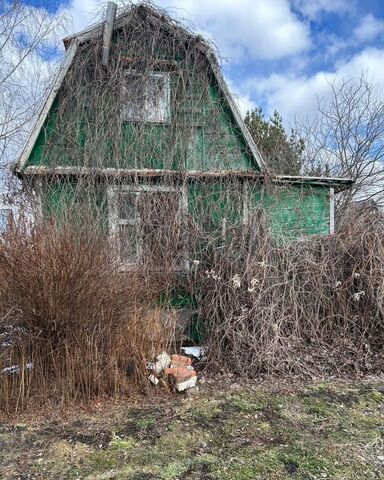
(73, 41)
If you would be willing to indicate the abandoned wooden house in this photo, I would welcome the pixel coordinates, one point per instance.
(140, 114)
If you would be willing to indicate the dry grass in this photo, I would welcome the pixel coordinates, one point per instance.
(276, 431)
(311, 306)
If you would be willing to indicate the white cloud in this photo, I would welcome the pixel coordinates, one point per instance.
(369, 28)
(252, 29)
(312, 9)
(83, 13)
(297, 95)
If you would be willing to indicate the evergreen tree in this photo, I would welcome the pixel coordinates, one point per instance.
(282, 152)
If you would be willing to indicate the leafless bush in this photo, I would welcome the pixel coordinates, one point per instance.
(78, 327)
(311, 307)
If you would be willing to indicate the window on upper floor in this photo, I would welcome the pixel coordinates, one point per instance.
(146, 97)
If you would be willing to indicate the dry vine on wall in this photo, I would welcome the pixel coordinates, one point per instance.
(267, 306)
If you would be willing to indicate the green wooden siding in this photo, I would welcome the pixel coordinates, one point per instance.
(297, 211)
(202, 135)
(292, 211)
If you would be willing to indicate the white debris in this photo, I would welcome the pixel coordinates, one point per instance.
(163, 362)
(212, 274)
(236, 281)
(358, 295)
(253, 284)
(153, 379)
(14, 369)
(190, 383)
(196, 352)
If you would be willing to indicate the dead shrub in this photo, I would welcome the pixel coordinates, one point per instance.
(311, 307)
(77, 326)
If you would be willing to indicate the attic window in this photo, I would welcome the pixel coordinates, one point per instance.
(145, 97)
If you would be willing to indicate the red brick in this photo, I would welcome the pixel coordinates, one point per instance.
(180, 360)
(180, 373)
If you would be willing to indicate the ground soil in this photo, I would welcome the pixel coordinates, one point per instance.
(329, 429)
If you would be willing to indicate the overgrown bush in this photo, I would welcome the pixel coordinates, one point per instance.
(312, 306)
(74, 325)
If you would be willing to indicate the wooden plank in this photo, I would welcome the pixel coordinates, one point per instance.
(337, 184)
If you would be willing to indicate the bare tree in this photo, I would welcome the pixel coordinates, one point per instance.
(346, 139)
(28, 43)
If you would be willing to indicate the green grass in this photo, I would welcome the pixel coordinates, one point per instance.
(330, 430)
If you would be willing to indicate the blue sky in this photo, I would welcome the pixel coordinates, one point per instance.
(276, 53)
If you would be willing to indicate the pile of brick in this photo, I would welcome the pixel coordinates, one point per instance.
(176, 370)
(181, 373)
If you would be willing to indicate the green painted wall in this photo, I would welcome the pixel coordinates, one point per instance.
(292, 211)
(84, 128)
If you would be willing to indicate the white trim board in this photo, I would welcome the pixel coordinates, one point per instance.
(331, 210)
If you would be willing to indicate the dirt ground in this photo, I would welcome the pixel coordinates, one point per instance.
(318, 430)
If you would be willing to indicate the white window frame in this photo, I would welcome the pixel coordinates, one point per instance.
(331, 210)
(114, 221)
(146, 114)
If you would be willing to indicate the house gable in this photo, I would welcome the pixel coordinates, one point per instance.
(81, 124)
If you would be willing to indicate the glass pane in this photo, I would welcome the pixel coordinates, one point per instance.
(156, 98)
(133, 97)
(128, 240)
(126, 205)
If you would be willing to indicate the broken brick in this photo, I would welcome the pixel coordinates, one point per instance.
(181, 373)
(180, 360)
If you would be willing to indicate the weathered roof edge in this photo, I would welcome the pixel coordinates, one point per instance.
(46, 107)
(71, 42)
(338, 183)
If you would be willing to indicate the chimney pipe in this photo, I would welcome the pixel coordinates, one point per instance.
(107, 35)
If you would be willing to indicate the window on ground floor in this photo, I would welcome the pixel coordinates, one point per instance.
(145, 223)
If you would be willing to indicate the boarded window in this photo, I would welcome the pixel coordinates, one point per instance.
(145, 98)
